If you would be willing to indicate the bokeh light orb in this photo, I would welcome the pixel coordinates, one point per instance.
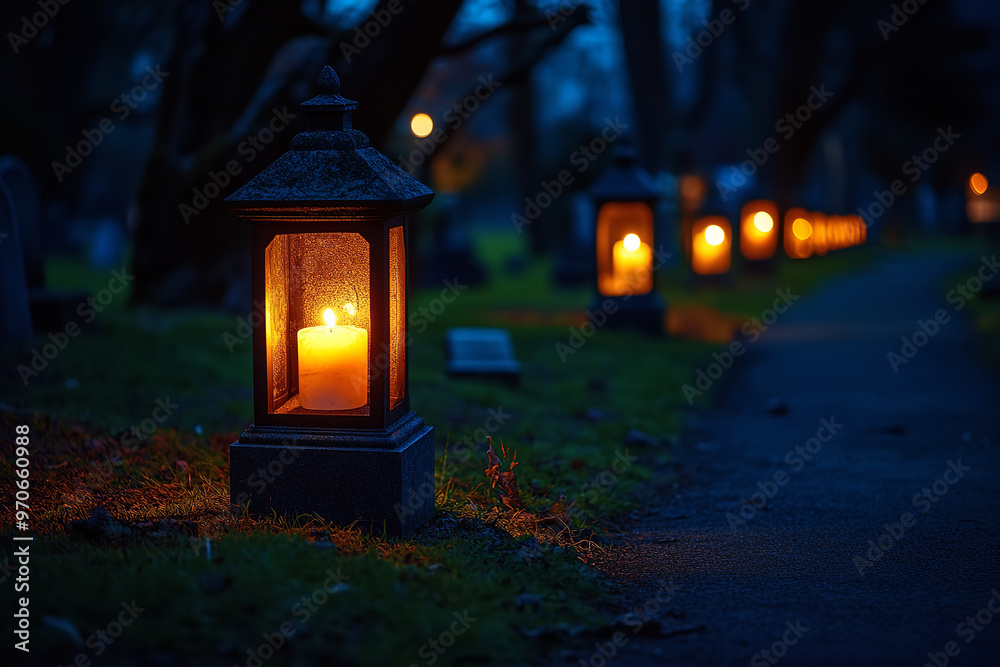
(802, 229)
(421, 125)
(763, 222)
(978, 183)
(714, 235)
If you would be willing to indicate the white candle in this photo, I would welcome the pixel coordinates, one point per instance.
(631, 265)
(333, 366)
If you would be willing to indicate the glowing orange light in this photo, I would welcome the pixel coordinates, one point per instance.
(763, 221)
(692, 189)
(714, 235)
(978, 183)
(421, 125)
(711, 245)
(631, 242)
(330, 318)
(758, 229)
(802, 229)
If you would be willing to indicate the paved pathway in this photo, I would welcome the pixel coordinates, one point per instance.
(917, 451)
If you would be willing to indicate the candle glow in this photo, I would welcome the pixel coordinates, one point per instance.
(631, 265)
(421, 125)
(714, 235)
(763, 222)
(802, 229)
(758, 231)
(711, 246)
(333, 365)
(978, 183)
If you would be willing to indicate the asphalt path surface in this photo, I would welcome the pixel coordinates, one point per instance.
(859, 527)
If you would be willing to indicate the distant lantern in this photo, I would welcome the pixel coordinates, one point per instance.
(331, 395)
(978, 183)
(421, 125)
(759, 230)
(711, 245)
(798, 234)
(819, 233)
(982, 204)
(625, 197)
(835, 231)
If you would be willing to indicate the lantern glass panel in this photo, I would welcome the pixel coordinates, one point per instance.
(624, 265)
(397, 316)
(318, 323)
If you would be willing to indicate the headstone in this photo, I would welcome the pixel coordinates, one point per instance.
(482, 352)
(452, 257)
(15, 311)
(575, 265)
(23, 198)
(48, 308)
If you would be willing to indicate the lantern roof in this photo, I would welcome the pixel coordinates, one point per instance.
(332, 167)
(626, 180)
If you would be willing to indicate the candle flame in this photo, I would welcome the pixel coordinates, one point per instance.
(763, 221)
(631, 242)
(330, 317)
(802, 229)
(350, 309)
(714, 235)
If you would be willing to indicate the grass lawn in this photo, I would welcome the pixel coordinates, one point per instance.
(476, 586)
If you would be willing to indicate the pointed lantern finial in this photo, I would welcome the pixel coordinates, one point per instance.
(329, 110)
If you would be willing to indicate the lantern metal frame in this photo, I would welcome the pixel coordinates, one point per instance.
(627, 183)
(374, 468)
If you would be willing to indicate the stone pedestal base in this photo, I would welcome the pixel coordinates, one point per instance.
(641, 312)
(382, 479)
